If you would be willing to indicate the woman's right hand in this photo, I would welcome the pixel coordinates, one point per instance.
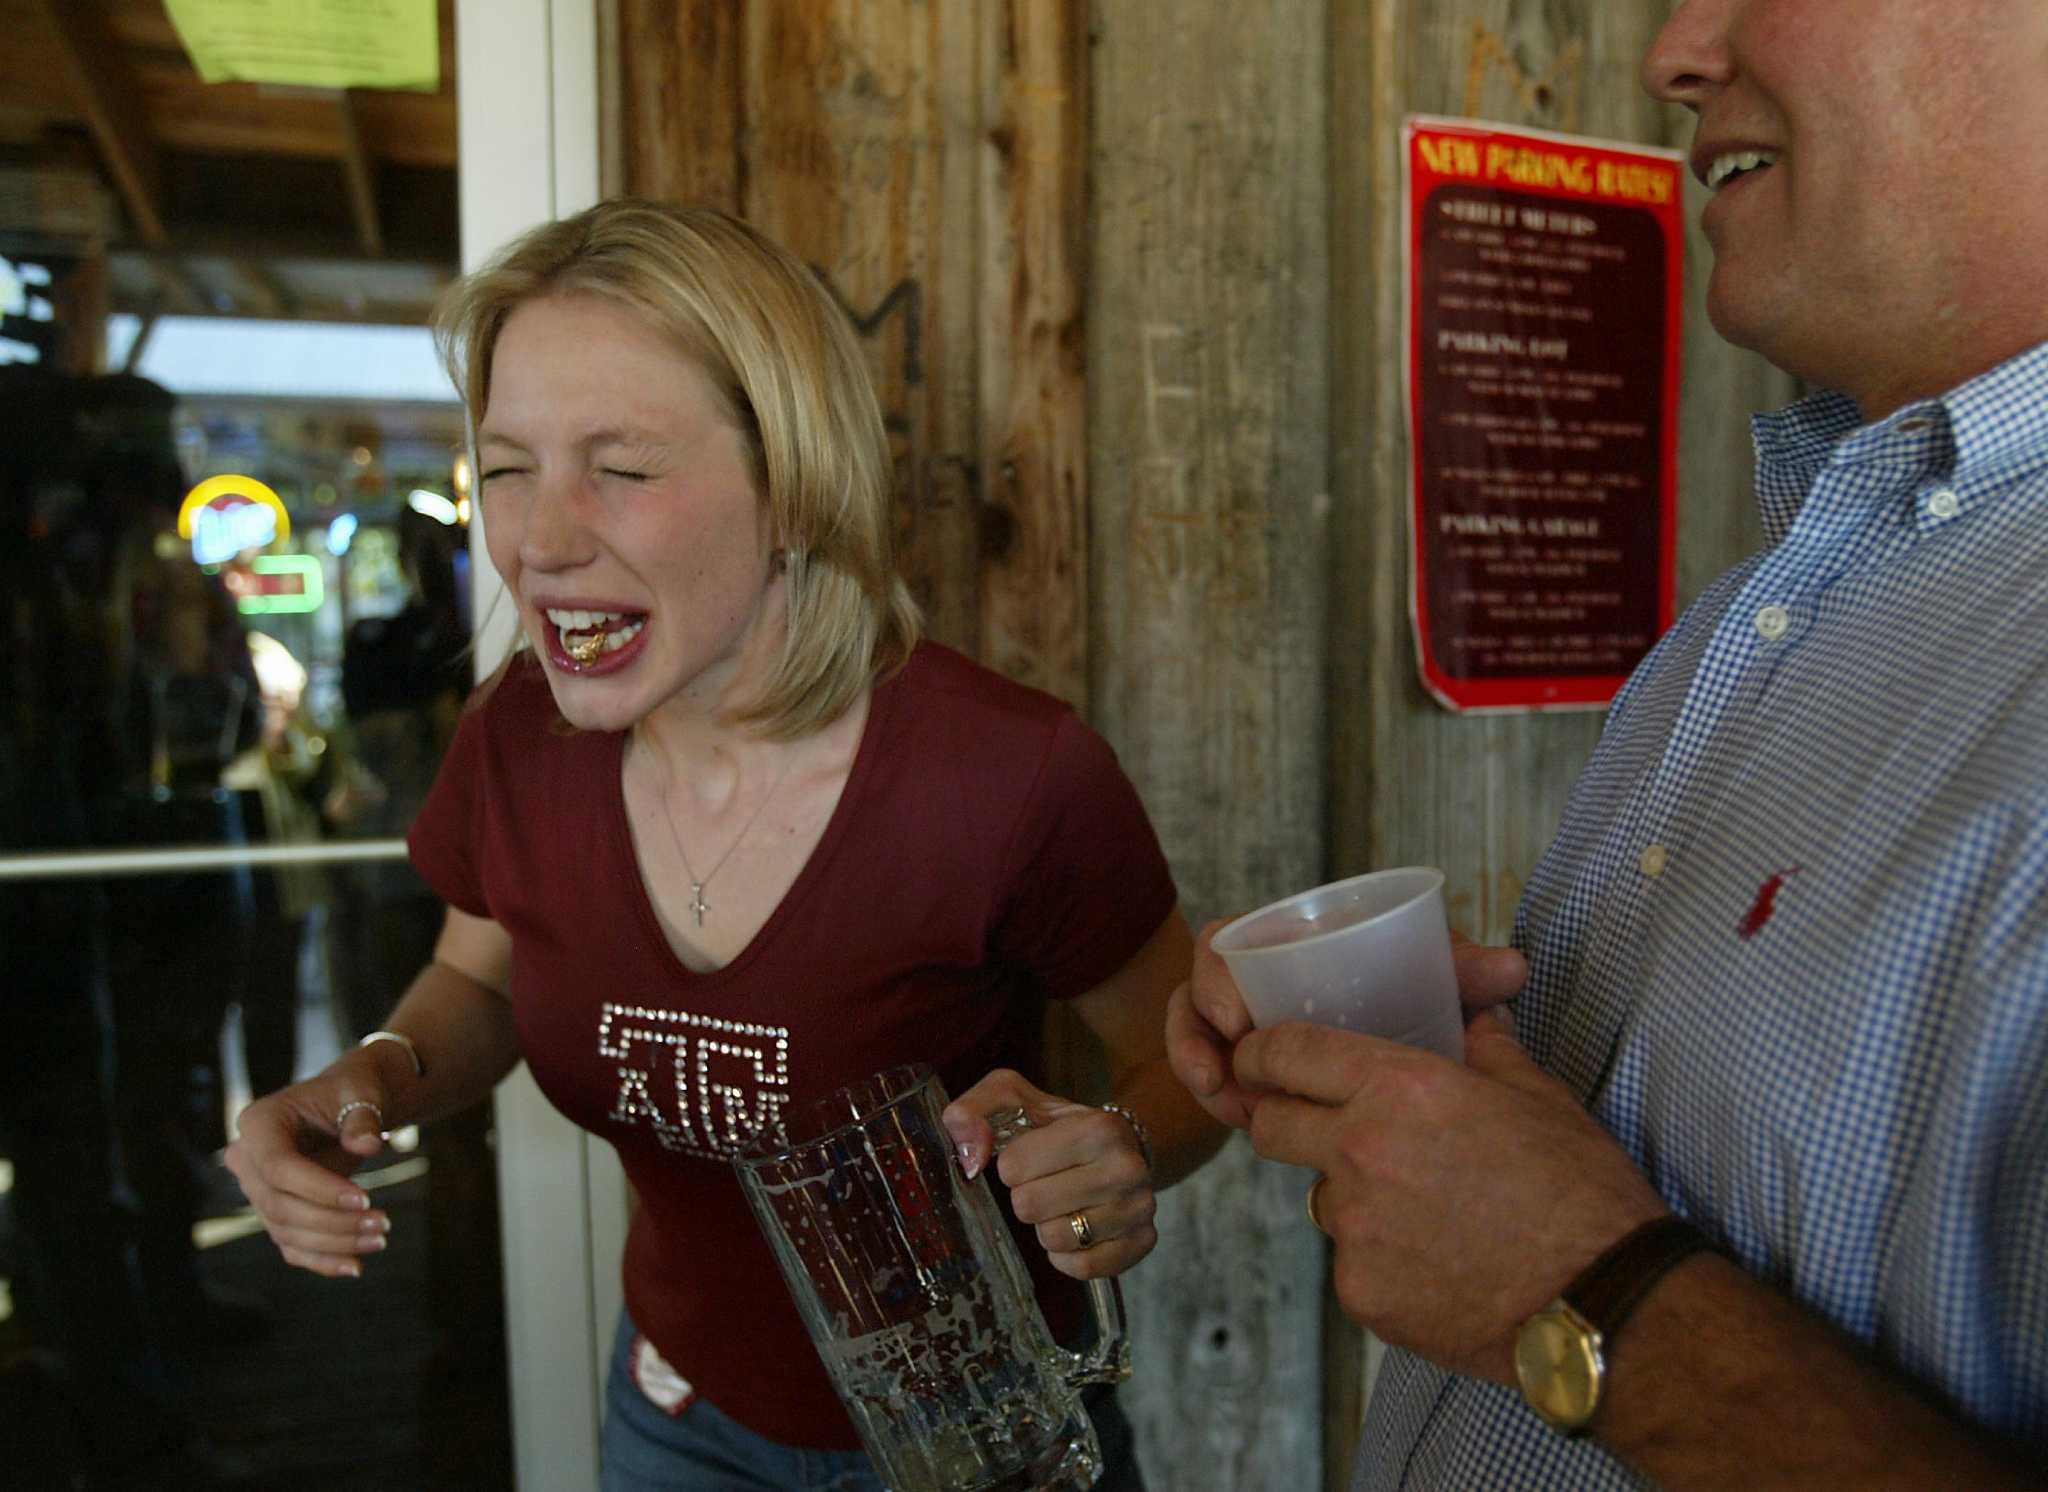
(296, 1150)
(299, 1146)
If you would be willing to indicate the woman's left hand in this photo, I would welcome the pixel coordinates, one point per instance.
(1078, 1174)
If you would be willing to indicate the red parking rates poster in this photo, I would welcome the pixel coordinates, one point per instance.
(1544, 297)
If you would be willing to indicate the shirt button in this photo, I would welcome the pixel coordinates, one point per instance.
(1944, 504)
(1653, 860)
(1772, 621)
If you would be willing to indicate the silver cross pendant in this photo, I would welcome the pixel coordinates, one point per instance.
(697, 902)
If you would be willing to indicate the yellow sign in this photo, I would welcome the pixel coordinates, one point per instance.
(313, 43)
(225, 515)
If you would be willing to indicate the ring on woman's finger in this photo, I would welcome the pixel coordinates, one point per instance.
(1084, 1236)
(351, 1106)
(1314, 1191)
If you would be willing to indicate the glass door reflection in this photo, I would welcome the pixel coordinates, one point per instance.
(203, 795)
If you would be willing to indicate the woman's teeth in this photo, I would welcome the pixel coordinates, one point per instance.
(1725, 166)
(588, 634)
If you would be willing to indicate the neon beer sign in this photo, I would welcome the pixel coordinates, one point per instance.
(228, 515)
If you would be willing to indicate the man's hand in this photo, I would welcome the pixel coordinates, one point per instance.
(1461, 1199)
(1207, 1018)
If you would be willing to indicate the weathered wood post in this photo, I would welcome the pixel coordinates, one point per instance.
(1209, 353)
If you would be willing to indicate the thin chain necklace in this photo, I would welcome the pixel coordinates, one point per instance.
(698, 904)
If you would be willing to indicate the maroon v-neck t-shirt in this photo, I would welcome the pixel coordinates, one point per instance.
(986, 854)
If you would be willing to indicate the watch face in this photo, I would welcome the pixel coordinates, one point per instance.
(1557, 1359)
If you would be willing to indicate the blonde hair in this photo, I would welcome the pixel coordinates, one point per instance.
(776, 347)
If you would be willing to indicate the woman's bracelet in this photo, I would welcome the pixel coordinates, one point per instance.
(1138, 1129)
(418, 1068)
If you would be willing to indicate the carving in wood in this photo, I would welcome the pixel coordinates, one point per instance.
(1557, 94)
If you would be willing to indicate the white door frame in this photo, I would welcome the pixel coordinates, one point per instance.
(527, 110)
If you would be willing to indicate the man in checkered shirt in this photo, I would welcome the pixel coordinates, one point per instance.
(1787, 959)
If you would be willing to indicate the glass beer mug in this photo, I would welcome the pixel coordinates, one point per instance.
(917, 1299)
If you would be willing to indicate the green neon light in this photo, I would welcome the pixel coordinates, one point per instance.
(312, 587)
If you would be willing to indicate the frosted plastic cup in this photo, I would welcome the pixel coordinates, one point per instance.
(1371, 954)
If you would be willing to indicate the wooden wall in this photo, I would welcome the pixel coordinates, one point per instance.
(929, 160)
(1208, 406)
(1130, 273)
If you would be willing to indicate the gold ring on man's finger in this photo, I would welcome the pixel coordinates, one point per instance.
(1315, 1190)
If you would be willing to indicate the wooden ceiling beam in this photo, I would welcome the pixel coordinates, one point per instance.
(360, 171)
(106, 96)
(365, 313)
(182, 287)
(140, 345)
(263, 292)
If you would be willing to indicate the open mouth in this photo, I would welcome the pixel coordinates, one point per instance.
(1737, 163)
(587, 637)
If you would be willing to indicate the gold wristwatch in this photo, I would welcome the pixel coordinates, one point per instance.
(1561, 1351)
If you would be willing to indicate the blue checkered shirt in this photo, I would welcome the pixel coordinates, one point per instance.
(1791, 942)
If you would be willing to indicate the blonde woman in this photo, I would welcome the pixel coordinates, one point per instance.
(725, 833)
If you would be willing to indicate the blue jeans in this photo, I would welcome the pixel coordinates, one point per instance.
(701, 1450)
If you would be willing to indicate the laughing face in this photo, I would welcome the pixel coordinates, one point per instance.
(619, 509)
(1865, 158)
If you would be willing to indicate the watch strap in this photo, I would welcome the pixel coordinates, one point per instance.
(1613, 1285)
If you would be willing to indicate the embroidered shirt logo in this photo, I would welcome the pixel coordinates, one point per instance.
(1765, 904)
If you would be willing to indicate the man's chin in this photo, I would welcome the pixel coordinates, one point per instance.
(1744, 314)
